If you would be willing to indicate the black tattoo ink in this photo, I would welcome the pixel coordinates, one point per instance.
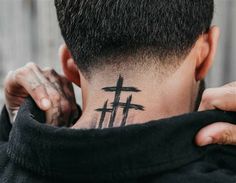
(131, 106)
(116, 101)
(117, 104)
(126, 110)
(103, 111)
(125, 89)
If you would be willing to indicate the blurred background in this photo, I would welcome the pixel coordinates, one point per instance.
(29, 32)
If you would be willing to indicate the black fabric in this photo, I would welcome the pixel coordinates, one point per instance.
(157, 151)
(5, 125)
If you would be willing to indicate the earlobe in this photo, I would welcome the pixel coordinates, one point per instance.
(69, 66)
(207, 52)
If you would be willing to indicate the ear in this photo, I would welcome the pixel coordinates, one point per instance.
(207, 50)
(69, 66)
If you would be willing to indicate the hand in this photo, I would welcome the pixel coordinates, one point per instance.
(52, 93)
(223, 98)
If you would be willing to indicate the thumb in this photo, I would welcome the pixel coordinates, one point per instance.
(45, 104)
(217, 133)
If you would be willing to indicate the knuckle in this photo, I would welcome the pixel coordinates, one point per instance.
(207, 96)
(8, 78)
(52, 72)
(22, 72)
(55, 96)
(227, 137)
(31, 65)
(47, 69)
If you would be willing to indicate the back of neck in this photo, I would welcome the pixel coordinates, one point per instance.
(124, 101)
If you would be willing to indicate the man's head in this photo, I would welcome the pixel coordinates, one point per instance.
(99, 33)
(143, 40)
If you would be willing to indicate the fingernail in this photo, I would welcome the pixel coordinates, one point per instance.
(46, 103)
(207, 141)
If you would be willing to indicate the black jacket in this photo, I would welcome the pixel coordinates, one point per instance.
(160, 151)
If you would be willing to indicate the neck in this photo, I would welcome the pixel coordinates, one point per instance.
(124, 101)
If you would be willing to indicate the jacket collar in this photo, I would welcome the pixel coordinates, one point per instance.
(127, 152)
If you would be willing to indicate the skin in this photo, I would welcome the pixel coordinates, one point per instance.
(162, 95)
(52, 96)
(223, 98)
(53, 93)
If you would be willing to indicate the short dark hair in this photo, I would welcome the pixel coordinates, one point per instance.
(94, 29)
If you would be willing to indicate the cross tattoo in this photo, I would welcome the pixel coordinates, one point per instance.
(116, 104)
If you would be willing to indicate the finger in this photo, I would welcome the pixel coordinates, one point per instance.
(26, 78)
(65, 106)
(70, 94)
(57, 114)
(217, 133)
(13, 99)
(223, 98)
(54, 94)
(11, 86)
(55, 80)
(233, 84)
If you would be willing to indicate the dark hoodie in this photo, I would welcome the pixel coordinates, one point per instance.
(159, 151)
